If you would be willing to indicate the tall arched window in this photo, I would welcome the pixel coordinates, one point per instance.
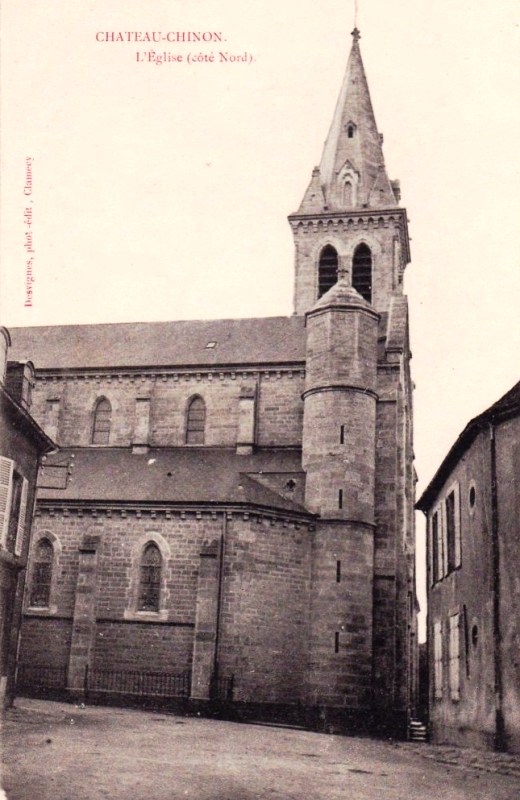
(195, 421)
(102, 420)
(362, 271)
(42, 575)
(150, 578)
(347, 194)
(327, 269)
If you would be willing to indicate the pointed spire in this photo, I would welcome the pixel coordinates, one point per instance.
(352, 168)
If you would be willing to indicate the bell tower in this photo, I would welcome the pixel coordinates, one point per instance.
(349, 218)
(352, 247)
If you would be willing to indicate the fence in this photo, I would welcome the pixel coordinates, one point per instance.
(41, 680)
(44, 681)
(222, 689)
(138, 683)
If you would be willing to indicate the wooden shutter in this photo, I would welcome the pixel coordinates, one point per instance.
(437, 660)
(440, 543)
(21, 518)
(454, 656)
(458, 545)
(444, 529)
(6, 482)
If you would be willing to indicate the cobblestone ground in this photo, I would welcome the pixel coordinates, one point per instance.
(54, 751)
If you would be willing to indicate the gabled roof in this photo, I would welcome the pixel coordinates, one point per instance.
(269, 340)
(506, 407)
(182, 475)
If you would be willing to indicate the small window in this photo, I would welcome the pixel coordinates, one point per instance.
(196, 421)
(150, 578)
(336, 642)
(472, 496)
(340, 498)
(362, 271)
(102, 422)
(342, 434)
(474, 635)
(211, 345)
(338, 571)
(42, 575)
(350, 131)
(327, 269)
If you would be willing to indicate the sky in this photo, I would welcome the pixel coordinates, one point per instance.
(161, 191)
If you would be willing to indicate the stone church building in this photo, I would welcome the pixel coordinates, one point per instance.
(241, 498)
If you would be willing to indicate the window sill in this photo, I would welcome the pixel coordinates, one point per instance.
(37, 611)
(146, 616)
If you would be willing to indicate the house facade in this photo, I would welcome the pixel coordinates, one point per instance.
(241, 504)
(22, 445)
(473, 512)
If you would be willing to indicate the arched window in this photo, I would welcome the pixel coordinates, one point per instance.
(102, 420)
(42, 575)
(362, 271)
(327, 269)
(150, 578)
(195, 421)
(350, 131)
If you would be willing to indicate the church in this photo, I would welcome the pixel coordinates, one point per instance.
(230, 514)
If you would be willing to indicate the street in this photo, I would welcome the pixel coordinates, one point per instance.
(55, 751)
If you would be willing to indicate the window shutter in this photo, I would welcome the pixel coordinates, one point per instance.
(437, 659)
(21, 518)
(6, 481)
(444, 529)
(440, 544)
(458, 546)
(454, 657)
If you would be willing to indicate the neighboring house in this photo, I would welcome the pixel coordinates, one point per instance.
(473, 510)
(242, 498)
(22, 444)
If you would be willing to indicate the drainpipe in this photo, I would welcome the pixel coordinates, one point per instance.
(500, 737)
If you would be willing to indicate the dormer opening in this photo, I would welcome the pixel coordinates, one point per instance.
(327, 269)
(362, 271)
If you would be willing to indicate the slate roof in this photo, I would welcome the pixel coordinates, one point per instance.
(268, 340)
(183, 475)
(506, 407)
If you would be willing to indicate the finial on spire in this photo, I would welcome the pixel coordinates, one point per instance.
(356, 35)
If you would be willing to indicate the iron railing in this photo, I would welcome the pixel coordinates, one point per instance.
(36, 677)
(222, 688)
(138, 682)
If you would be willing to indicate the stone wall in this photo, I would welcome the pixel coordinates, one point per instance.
(65, 406)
